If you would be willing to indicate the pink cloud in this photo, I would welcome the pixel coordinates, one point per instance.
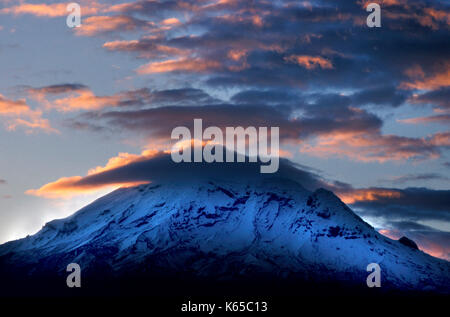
(310, 62)
(19, 114)
(194, 65)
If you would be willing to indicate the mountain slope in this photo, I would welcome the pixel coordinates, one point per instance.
(217, 229)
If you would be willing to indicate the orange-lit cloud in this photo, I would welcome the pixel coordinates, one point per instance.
(75, 97)
(310, 62)
(425, 16)
(194, 65)
(384, 3)
(285, 153)
(103, 24)
(34, 122)
(39, 10)
(19, 114)
(239, 57)
(171, 22)
(48, 10)
(41, 94)
(238, 54)
(422, 81)
(434, 249)
(255, 19)
(375, 147)
(438, 15)
(86, 100)
(440, 139)
(138, 6)
(123, 159)
(17, 107)
(444, 118)
(371, 194)
(431, 18)
(68, 187)
(157, 50)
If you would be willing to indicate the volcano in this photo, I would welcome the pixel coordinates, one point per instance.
(219, 229)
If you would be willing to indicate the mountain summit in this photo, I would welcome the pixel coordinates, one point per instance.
(217, 234)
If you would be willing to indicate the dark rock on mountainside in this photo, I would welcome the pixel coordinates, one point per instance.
(408, 242)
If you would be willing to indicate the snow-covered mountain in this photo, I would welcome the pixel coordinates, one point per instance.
(217, 229)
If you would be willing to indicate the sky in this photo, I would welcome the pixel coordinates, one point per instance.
(363, 111)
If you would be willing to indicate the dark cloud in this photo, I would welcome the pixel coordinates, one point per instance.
(250, 45)
(416, 177)
(380, 96)
(184, 96)
(403, 212)
(143, 97)
(160, 167)
(411, 226)
(56, 89)
(155, 8)
(377, 96)
(270, 97)
(253, 41)
(159, 122)
(157, 98)
(300, 117)
(438, 98)
(410, 204)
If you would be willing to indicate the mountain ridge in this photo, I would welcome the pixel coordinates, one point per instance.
(271, 229)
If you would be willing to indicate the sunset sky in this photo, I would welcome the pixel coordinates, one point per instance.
(364, 110)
